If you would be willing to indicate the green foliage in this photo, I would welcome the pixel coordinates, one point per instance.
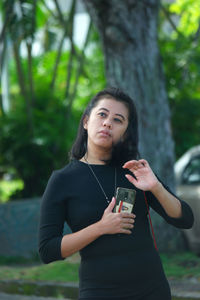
(37, 132)
(59, 271)
(42, 16)
(21, 18)
(185, 123)
(189, 13)
(181, 265)
(19, 260)
(180, 51)
(34, 154)
(9, 187)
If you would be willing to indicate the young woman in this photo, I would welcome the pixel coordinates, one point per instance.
(118, 257)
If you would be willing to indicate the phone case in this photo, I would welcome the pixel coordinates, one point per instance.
(125, 199)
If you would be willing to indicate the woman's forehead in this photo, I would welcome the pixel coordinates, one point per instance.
(112, 105)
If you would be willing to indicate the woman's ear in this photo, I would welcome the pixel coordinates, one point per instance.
(85, 122)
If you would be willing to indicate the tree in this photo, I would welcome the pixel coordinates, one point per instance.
(48, 90)
(128, 31)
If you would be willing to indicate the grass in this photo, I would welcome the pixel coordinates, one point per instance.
(183, 265)
(57, 271)
(19, 260)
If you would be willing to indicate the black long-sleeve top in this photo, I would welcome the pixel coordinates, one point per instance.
(114, 265)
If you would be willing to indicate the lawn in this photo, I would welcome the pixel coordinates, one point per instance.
(183, 265)
(17, 268)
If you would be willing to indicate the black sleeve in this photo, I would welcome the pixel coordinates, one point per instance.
(185, 221)
(52, 218)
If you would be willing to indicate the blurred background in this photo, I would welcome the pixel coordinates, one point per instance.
(55, 55)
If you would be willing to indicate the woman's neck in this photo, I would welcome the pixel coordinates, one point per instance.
(98, 158)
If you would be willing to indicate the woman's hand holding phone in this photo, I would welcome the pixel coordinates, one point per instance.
(112, 223)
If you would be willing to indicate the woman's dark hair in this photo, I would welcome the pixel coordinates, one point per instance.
(123, 150)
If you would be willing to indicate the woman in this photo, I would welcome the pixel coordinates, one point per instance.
(118, 257)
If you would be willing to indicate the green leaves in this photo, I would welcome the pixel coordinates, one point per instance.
(180, 48)
(19, 17)
(35, 154)
(38, 130)
(188, 13)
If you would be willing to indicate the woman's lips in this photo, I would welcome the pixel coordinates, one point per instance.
(105, 133)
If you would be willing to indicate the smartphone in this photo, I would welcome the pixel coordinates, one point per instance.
(125, 200)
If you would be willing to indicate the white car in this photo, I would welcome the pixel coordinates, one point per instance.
(187, 172)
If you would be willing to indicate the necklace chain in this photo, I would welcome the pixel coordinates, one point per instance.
(91, 169)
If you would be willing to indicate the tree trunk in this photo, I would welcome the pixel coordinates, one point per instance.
(22, 86)
(30, 74)
(128, 30)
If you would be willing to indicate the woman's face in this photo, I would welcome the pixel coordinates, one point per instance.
(107, 123)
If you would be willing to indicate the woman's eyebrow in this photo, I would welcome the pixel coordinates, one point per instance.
(120, 116)
(103, 108)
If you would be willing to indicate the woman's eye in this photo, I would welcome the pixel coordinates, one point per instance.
(102, 114)
(118, 120)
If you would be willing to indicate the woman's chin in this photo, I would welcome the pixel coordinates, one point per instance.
(105, 144)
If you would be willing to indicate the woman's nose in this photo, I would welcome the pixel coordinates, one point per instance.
(107, 123)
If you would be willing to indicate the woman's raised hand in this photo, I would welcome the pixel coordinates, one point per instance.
(143, 178)
(112, 223)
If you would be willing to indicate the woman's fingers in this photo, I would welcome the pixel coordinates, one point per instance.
(135, 164)
(127, 215)
(110, 206)
(127, 221)
(113, 223)
(126, 231)
(130, 164)
(127, 226)
(131, 179)
(144, 162)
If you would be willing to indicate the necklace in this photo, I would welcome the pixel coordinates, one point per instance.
(92, 171)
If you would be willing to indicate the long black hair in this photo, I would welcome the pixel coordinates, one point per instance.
(123, 150)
